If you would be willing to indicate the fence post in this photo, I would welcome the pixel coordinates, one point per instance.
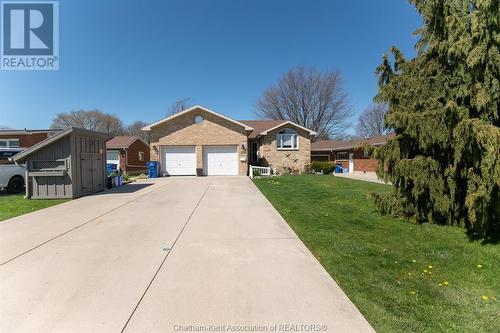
(251, 172)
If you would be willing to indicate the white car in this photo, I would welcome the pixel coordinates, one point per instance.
(12, 177)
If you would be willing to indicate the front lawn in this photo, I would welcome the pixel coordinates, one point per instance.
(402, 277)
(15, 205)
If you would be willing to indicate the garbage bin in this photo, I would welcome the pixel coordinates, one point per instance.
(152, 169)
(338, 168)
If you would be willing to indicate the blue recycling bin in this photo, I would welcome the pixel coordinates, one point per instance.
(152, 169)
(338, 168)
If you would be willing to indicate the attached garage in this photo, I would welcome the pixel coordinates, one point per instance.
(178, 160)
(220, 160)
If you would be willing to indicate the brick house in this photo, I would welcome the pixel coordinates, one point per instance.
(130, 153)
(14, 141)
(24, 138)
(351, 154)
(199, 141)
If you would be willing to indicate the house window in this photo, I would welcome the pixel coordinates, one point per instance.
(287, 139)
(366, 153)
(342, 156)
(141, 156)
(9, 143)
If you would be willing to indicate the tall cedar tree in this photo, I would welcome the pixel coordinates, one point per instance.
(444, 161)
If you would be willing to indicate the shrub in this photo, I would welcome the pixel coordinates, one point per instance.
(322, 166)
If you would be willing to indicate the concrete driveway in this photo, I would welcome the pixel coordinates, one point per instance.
(173, 254)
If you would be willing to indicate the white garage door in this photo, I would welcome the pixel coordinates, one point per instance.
(179, 161)
(219, 160)
(113, 157)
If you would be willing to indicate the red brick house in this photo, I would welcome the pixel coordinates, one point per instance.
(130, 153)
(24, 138)
(351, 154)
(14, 141)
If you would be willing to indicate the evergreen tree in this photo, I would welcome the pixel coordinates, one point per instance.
(444, 161)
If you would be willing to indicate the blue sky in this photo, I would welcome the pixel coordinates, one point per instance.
(134, 58)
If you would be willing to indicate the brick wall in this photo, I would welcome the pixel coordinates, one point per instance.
(214, 131)
(133, 162)
(284, 160)
(26, 140)
(365, 164)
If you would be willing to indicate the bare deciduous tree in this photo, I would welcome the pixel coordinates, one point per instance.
(94, 120)
(135, 129)
(178, 106)
(371, 121)
(309, 98)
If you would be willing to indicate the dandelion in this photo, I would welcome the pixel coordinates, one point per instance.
(395, 262)
(413, 292)
(445, 283)
(425, 271)
(409, 274)
(485, 298)
(479, 266)
(429, 272)
(413, 260)
(430, 266)
(440, 284)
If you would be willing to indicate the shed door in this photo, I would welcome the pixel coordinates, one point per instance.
(179, 161)
(97, 173)
(218, 160)
(91, 172)
(86, 172)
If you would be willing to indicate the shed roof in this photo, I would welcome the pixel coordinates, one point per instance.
(22, 156)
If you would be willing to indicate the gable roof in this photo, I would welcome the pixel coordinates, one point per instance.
(335, 145)
(262, 127)
(56, 137)
(148, 128)
(123, 141)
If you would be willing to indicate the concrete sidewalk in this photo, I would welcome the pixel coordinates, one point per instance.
(364, 176)
(177, 254)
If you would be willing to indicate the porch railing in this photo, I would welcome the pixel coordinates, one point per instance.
(258, 170)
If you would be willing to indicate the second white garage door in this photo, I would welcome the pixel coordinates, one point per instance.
(220, 160)
(179, 161)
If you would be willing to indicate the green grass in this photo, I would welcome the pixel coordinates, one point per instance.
(15, 205)
(380, 261)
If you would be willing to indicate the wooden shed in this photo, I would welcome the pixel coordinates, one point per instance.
(69, 164)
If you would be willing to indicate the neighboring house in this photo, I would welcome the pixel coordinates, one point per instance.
(199, 141)
(351, 154)
(130, 153)
(24, 138)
